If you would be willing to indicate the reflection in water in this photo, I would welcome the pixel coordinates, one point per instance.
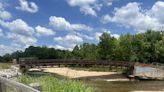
(103, 86)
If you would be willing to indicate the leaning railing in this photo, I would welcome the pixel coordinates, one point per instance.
(18, 87)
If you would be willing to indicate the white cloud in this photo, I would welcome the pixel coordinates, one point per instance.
(42, 31)
(7, 49)
(27, 6)
(18, 26)
(106, 18)
(60, 47)
(98, 34)
(88, 10)
(22, 39)
(62, 24)
(115, 36)
(20, 32)
(132, 15)
(156, 11)
(108, 2)
(84, 36)
(87, 7)
(69, 40)
(5, 15)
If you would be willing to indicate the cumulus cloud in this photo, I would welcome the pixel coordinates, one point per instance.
(86, 6)
(69, 40)
(5, 15)
(20, 32)
(108, 2)
(98, 34)
(22, 39)
(27, 6)
(59, 47)
(84, 36)
(42, 31)
(89, 7)
(18, 26)
(7, 49)
(156, 11)
(132, 15)
(62, 24)
(115, 35)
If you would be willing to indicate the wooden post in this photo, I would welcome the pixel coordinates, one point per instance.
(2, 87)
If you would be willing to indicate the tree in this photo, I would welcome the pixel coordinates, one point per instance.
(159, 47)
(89, 51)
(7, 58)
(106, 45)
(76, 52)
(1, 59)
(126, 47)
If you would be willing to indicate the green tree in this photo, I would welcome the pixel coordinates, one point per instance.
(106, 45)
(7, 58)
(89, 51)
(76, 52)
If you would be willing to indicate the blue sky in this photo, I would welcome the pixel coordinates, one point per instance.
(62, 24)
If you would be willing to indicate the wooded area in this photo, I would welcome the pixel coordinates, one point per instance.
(143, 47)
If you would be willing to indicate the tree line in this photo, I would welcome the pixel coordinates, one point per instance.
(145, 47)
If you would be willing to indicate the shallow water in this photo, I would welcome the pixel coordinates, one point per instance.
(124, 86)
(102, 86)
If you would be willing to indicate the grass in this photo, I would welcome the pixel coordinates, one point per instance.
(51, 84)
(102, 69)
(5, 65)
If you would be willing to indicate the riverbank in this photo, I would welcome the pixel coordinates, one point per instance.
(50, 83)
(91, 75)
(9, 70)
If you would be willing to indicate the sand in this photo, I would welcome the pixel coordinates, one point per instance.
(71, 73)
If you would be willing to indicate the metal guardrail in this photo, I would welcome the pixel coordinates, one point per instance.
(18, 87)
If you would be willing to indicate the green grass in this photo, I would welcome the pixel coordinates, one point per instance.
(5, 65)
(51, 84)
(102, 69)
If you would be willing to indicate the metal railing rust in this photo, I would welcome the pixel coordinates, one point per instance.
(18, 87)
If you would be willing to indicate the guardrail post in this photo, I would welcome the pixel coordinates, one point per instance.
(2, 87)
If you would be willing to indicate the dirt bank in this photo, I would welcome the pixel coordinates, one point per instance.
(107, 76)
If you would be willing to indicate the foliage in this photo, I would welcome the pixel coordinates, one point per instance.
(52, 84)
(5, 65)
(142, 47)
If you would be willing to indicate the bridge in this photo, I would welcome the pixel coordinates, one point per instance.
(147, 71)
(33, 63)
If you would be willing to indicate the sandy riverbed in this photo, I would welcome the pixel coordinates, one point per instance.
(71, 73)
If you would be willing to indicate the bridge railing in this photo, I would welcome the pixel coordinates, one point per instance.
(18, 87)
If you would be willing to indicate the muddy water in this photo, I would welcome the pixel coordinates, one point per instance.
(102, 86)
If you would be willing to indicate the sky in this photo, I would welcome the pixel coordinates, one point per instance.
(62, 24)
